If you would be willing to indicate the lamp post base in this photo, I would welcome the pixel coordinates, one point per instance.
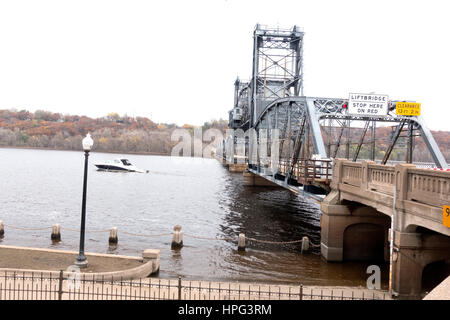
(81, 263)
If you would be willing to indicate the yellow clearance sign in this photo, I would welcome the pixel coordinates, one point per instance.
(446, 217)
(407, 108)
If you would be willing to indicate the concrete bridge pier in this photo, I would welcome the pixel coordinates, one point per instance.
(252, 180)
(352, 232)
(237, 167)
(418, 256)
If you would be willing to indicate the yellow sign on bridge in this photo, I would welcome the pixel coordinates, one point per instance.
(407, 108)
(446, 217)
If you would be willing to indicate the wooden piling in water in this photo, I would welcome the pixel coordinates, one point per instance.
(113, 236)
(241, 242)
(177, 239)
(56, 232)
(305, 244)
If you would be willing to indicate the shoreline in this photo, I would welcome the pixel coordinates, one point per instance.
(20, 261)
(100, 266)
(94, 151)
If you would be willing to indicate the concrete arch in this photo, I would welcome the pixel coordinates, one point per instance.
(410, 228)
(418, 261)
(364, 242)
(346, 229)
(434, 273)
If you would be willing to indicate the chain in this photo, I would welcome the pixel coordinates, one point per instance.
(90, 231)
(205, 238)
(273, 242)
(281, 242)
(146, 235)
(170, 233)
(22, 228)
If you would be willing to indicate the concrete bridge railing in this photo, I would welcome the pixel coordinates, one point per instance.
(419, 192)
(430, 187)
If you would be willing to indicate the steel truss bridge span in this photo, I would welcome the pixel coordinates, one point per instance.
(293, 115)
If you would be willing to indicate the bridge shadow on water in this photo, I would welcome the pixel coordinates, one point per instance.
(278, 215)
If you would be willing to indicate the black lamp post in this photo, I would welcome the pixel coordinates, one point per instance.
(81, 259)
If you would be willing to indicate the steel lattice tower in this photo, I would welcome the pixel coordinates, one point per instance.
(277, 67)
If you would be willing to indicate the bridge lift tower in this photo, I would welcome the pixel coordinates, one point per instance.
(277, 73)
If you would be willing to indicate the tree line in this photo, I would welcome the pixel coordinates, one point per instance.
(112, 133)
(125, 134)
(382, 141)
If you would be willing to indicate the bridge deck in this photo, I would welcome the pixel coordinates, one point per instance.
(296, 189)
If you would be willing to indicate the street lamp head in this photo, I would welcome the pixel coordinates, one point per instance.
(87, 143)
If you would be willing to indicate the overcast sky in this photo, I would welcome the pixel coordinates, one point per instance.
(176, 61)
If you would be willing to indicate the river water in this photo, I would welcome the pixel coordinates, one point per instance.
(40, 187)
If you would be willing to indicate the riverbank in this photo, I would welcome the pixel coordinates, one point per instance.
(115, 152)
(14, 258)
(24, 267)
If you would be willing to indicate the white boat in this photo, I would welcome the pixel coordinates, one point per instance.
(118, 165)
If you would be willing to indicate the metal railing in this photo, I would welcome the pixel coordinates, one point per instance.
(75, 286)
(308, 171)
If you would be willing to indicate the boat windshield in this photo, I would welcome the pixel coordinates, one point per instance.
(126, 162)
